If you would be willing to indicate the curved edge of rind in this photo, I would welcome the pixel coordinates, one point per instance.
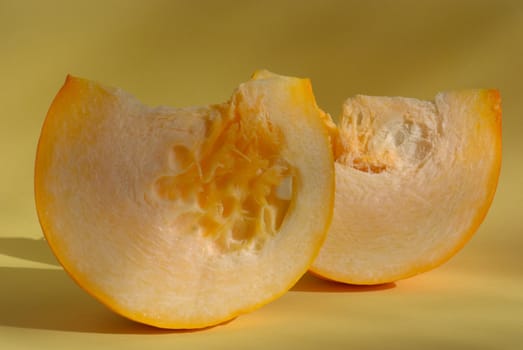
(68, 87)
(489, 107)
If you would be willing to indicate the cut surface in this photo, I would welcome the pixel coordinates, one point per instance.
(414, 180)
(185, 217)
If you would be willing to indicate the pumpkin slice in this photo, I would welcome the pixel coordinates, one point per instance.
(414, 180)
(185, 217)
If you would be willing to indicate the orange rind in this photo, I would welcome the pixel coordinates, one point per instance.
(414, 180)
(185, 217)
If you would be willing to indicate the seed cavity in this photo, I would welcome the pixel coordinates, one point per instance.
(237, 186)
(375, 143)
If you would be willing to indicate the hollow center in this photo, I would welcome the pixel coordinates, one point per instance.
(236, 189)
(375, 143)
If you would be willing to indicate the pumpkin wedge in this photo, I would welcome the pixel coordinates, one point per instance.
(414, 180)
(185, 217)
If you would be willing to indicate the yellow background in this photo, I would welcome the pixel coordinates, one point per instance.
(194, 52)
